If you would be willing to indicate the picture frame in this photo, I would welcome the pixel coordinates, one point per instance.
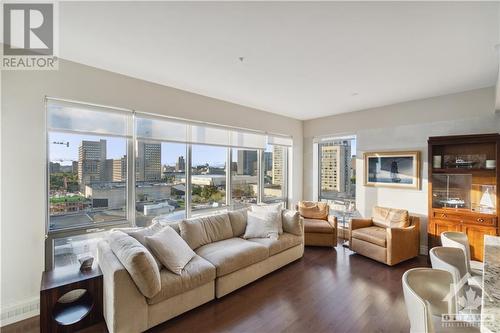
(395, 169)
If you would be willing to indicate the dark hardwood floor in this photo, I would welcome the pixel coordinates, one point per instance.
(329, 290)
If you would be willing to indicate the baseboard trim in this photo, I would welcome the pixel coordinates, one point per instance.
(423, 250)
(19, 311)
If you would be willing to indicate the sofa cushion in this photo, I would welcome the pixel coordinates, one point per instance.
(375, 235)
(232, 254)
(140, 235)
(390, 217)
(205, 230)
(262, 224)
(276, 246)
(291, 222)
(238, 219)
(313, 210)
(196, 273)
(138, 262)
(170, 249)
(318, 226)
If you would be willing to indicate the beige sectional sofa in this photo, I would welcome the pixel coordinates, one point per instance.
(224, 262)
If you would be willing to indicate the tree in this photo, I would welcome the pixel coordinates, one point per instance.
(208, 191)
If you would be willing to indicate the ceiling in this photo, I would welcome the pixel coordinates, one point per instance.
(300, 59)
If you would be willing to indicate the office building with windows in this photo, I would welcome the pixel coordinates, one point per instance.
(91, 162)
(278, 165)
(336, 167)
(148, 163)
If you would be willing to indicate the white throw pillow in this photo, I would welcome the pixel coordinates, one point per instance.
(171, 249)
(262, 225)
(271, 208)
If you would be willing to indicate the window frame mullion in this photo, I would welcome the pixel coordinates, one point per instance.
(131, 160)
(229, 177)
(187, 173)
(260, 181)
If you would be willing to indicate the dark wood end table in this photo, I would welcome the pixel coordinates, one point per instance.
(70, 300)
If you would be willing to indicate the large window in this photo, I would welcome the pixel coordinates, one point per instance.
(85, 188)
(244, 177)
(111, 167)
(337, 169)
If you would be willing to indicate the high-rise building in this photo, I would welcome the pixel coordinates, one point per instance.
(247, 162)
(91, 162)
(148, 162)
(278, 165)
(108, 170)
(335, 166)
(119, 173)
(180, 166)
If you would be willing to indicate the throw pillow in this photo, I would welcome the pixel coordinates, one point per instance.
(262, 225)
(138, 262)
(291, 222)
(313, 210)
(171, 249)
(271, 208)
(140, 235)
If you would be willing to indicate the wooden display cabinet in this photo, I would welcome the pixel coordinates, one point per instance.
(463, 188)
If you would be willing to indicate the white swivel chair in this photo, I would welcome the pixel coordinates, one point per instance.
(425, 291)
(460, 240)
(451, 259)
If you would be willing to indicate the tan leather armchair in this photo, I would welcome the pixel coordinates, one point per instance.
(390, 236)
(320, 228)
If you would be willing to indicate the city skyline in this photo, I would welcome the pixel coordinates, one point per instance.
(63, 149)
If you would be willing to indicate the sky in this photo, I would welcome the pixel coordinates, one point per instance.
(116, 148)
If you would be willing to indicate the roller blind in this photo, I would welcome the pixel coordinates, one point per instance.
(150, 127)
(160, 129)
(276, 140)
(82, 118)
(248, 140)
(209, 135)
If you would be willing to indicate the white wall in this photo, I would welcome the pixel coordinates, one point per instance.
(404, 126)
(23, 156)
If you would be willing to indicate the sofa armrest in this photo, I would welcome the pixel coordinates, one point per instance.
(293, 223)
(358, 224)
(125, 308)
(403, 243)
(332, 219)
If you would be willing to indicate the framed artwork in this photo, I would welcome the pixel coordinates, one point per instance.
(400, 169)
